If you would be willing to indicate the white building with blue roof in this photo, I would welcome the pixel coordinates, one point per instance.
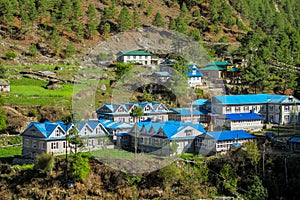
(249, 121)
(156, 111)
(221, 141)
(189, 115)
(114, 128)
(194, 77)
(50, 137)
(282, 109)
(161, 138)
(294, 143)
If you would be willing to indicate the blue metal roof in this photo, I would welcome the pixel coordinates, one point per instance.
(187, 111)
(113, 108)
(46, 128)
(243, 116)
(250, 99)
(170, 128)
(110, 124)
(241, 99)
(230, 135)
(162, 74)
(199, 102)
(295, 139)
(194, 72)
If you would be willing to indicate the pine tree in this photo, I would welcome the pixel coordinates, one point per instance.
(136, 19)
(55, 41)
(42, 8)
(159, 20)
(172, 24)
(92, 22)
(195, 34)
(66, 10)
(106, 29)
(125, 21)
(7, 11)
(181, 25)
(77, 10)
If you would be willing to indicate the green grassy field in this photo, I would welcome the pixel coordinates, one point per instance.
(28, 91)
(31, 92)
(12, 151)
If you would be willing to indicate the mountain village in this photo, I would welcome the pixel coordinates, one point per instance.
(207, 127)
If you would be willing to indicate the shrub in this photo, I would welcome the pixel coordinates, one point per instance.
(169, 174)
(33, 51)
(70, 50)
(24, 167)
(10, 55)
(45, 162)
(32, 113)
(80, 168)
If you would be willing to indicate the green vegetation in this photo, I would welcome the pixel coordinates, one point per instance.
(122, 68)
(12, 151)
(80, 167)
(125, 21)
(33, 92)
(10, 55)
(2, 71)
(24, 167)
(45, 163)
(159, 20)
(256, 190)
(2, 116)
(92, 21)
(10, 140)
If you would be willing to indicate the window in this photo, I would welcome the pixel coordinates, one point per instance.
(64, 144)
(34, 144)
(271, 108)
(42, 145)
(90, 142)
(246, 108)
(32, 132)
(188, 132)
(254, 108)
(262, 108)
(228, 109)
(286, 119)
(26, 143)
(141, 140)
(147, 108)
(57, 133)
(286, 108)
(237, 109)
(134, 57)
(140, 57)
(54, 145)
(198, 142)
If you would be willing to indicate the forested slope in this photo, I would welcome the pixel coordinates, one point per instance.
(268, 30)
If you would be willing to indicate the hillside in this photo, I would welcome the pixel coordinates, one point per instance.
(38, 35)
(188, 177)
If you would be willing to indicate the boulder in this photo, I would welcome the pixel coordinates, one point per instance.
(102, 86)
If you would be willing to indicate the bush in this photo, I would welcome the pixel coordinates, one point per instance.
(10, 55)
(80, 168)
(224, 39)
(33, 51)
(23, 167)
(32, 113)
(70, 50)
(45, 162)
